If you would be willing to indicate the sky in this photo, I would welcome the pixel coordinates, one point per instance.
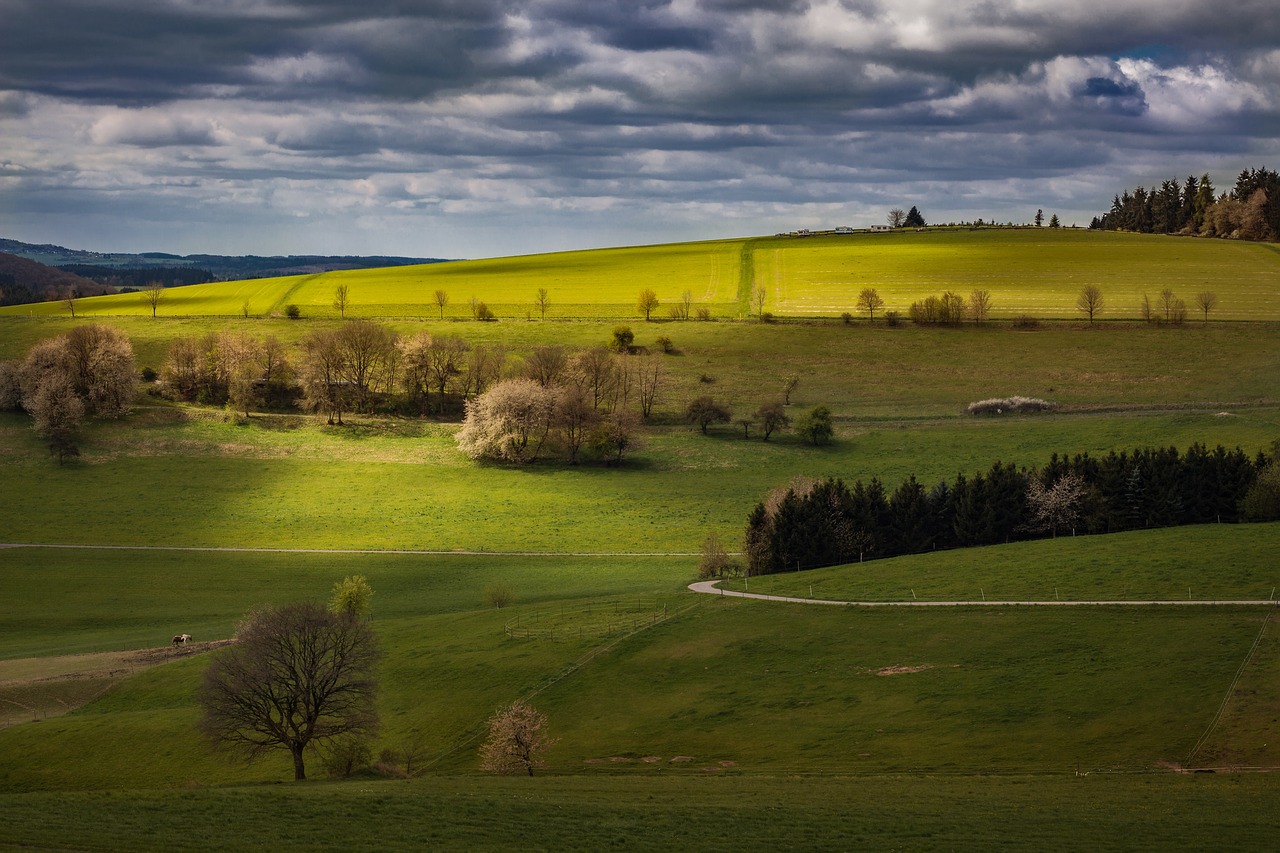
(480, 128)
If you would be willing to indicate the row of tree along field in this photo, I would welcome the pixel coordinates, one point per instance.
(517, 409)
(952, 309)
(1250, 211)
(812, 523)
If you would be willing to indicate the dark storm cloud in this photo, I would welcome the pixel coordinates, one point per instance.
(647, 114)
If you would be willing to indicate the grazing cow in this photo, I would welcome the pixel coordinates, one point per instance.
(179, 639)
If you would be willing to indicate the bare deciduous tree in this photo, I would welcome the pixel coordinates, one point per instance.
(367, 352)
(296, 676)
(615, 435)
(484, 367)
(241, 360)
(69, 299)
(596, 371)
(1090, 302)
(869, 300)
(1206, 302)
(686, 304)
(713, 559)
(517, 742)
(759, 295)
(442, 299)
(323, 382)
(341, 294)
(415, 368)
(445, 362)
(788, 388)
(542, 299)
(547, 364)
(575, 419)
(896, 217)
(153, 293)
(705, 411)
(649, 377)
(979, 305)
(772, 417)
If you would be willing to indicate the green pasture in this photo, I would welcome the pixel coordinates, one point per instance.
(1201, 562)
(160, 479)
(737, 686)
(591, 283)
(860, 373)
(1036, 272)
(1140, 813)
(804, 727)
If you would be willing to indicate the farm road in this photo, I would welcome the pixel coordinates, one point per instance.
(711, 588)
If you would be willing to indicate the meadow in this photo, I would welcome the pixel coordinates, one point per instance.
(803, 726)
(1028, 271)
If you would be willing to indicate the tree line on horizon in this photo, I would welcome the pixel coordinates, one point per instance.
(1250, 211)
(813, 523)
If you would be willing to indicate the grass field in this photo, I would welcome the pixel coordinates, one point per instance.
(1156, 813)
(804, 727)
(1203, 563)
(1037, 272)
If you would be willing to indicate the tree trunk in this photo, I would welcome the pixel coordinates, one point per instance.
(299, 771)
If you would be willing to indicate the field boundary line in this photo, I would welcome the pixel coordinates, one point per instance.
(1231, 690)
(711, 588)
(404, 551)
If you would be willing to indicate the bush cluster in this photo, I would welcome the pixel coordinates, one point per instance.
(1009, 406)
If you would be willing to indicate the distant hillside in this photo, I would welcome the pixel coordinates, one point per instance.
(222, 267)
(23, 281)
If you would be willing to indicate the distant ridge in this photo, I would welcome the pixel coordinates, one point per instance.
(224, 267)
(23, 280)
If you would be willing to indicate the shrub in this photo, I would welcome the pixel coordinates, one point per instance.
(704, 314)
(665, 343)
(483, 313)
(707, 380)
(149, 374)
(623, 338)
(1025, 321)
(816, 426)
(892, 318)
(714, 561)
(847, 318)
(1009, 406)
(766, 316)
(1262, 501)
(345, 757)
(498, 595)
(292, 311)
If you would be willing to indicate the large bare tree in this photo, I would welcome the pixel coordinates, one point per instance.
(296, 676)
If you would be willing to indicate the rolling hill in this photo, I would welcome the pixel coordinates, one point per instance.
(1027, 271)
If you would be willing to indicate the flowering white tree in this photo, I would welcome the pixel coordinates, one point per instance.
(517, 741)
(1056, 506)
(510, 421)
